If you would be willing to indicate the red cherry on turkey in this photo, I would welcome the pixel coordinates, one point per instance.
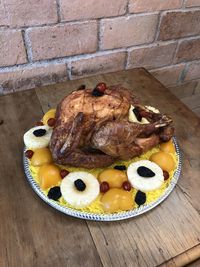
(101, 87)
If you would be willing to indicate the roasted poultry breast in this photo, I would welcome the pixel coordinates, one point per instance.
(93, 129)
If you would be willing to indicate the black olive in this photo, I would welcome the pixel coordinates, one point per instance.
(39, 132)
(120, 167)
(140, 198)
(54, 193)
(81, 87)
(145, 172)
(80, 185)
(137, 114)
(97, 93)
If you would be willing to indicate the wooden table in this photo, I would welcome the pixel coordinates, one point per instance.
(34, 234)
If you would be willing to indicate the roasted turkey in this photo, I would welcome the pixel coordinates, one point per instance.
(93, 129)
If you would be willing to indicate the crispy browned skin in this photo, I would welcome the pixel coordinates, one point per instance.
(94, 131)
(126, 140)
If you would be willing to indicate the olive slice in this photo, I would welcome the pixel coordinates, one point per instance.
(39, 132)
(137, 114)
(140, 198)
(145, 172)
(80, 185)
(54, 193)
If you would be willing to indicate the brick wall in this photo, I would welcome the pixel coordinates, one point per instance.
(48, 41)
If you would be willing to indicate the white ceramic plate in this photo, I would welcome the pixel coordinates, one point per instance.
(105, 217)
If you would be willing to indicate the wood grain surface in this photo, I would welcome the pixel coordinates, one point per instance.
(34, 234)
(189, 258)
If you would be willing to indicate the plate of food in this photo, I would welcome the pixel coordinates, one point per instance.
(102, 155)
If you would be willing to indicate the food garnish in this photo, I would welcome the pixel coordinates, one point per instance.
(120, 167)
(81, 87)
(49, 115)
(39, 123)
(140, 198)
(80, 185)
(48, 176)
(38, 137)
(127, 186)
(167, 147)
(101, 87)
(117, 200)
(97, 93)
(104, 187)
(41, 156)
(51, 122)
(114, 178)
(54, 193)
(39, 132)
(145, 172)
(63, 173)
(137, 114)
(29, 153)
(164, 160)
(143, 182)
(74, 196)
(166, 175)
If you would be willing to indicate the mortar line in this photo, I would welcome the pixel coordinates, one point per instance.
(126, 60)
(24, 42)
(58, 10)
(175, 52)
(158, 26)
(98, 34)
(182, 74)
(27, 43)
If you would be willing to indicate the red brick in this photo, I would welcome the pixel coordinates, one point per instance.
(151, 56)
(184, 90)
(11, 48)
(168, 75)
(29, 12)
(193, 71)
(179, 24)
(192, 3)
(63, 40)
(17, 79)
(98, 64)
(76, 10)
(2, 14)
(188, 50)
(137, 6)
(128, 31)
